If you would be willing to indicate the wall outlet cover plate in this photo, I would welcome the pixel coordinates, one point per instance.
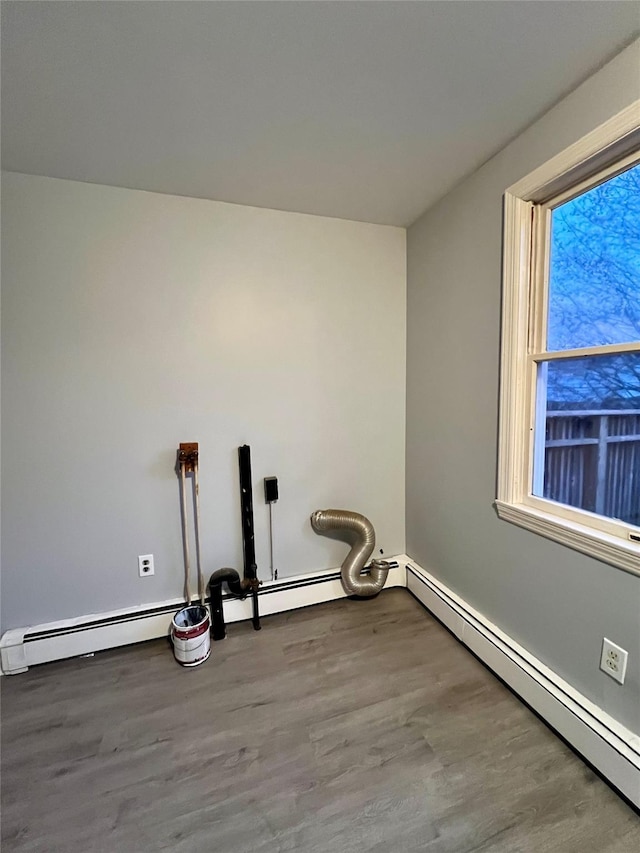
(613, 660)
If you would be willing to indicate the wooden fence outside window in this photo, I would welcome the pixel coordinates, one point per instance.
(592, 461)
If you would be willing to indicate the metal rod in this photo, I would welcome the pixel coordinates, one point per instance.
(185, 533)
(256, 612)
(274, 573)
(196, 501)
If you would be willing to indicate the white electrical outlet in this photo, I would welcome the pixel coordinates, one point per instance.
(613, 660)
(145, 565)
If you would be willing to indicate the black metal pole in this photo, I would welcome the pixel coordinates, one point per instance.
(248, 544)
(246, 504)
(256, 613)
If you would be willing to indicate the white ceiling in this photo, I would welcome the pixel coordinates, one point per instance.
(361, 110)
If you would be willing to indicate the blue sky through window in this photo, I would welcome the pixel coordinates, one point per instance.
(594, 294)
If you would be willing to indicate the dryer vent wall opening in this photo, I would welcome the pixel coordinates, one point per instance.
(361, 530)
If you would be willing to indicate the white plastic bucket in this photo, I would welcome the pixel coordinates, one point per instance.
(190, 635)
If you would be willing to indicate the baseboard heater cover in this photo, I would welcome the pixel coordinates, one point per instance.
(606, 744)
(21, 648)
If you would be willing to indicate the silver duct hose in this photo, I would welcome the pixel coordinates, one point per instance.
(327, 520)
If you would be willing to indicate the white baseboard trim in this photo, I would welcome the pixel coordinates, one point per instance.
(610, 747)
(21, 648)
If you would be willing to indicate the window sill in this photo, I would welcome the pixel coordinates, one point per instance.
(599, 545)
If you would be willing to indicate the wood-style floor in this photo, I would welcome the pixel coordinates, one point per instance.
(348, 727)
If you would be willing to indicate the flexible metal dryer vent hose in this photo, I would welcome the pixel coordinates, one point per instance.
(328, 520)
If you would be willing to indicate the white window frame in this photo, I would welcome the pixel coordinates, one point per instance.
(527, 205)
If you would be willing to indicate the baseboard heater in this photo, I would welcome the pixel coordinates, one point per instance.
(21, 648)
(603, 742)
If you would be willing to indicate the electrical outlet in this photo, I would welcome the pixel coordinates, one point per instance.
(613, 660)
(145, 565)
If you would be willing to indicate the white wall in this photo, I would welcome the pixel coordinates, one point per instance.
(555, 602)
(133, 321)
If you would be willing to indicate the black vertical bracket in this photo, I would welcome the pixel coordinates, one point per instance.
(248, 543)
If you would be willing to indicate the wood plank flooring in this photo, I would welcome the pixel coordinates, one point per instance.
(348, 727)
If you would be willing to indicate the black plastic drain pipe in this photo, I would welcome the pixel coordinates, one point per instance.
(232, 579)
(250, 582)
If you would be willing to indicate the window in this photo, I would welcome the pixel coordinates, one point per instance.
(569, 452)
